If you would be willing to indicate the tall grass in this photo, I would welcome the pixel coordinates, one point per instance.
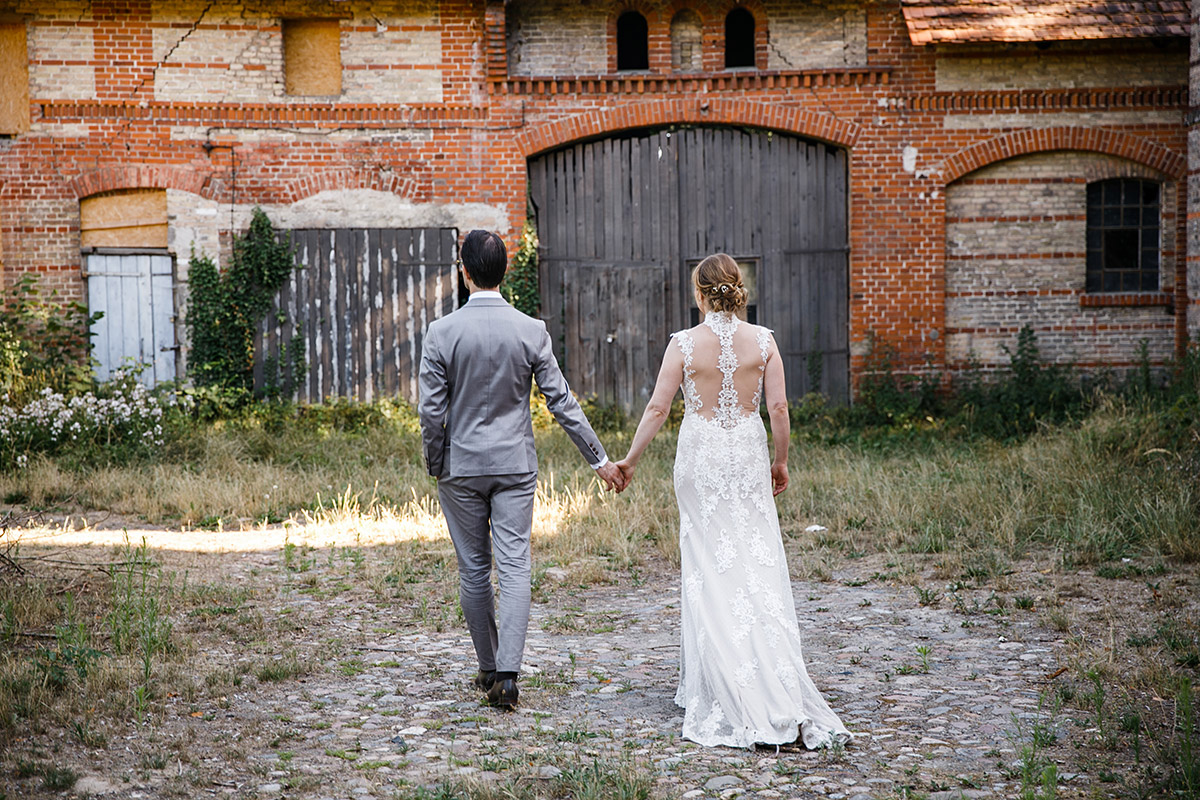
(1090, 492)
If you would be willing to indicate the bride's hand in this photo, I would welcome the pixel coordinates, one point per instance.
(779, 478)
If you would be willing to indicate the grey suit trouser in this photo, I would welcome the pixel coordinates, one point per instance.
(490, 514)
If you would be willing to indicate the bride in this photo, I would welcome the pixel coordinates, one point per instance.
(742, 679)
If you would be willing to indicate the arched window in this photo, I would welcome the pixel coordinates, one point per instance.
(739, 39)
(1123, 235)
(685, 41)
(633, 41)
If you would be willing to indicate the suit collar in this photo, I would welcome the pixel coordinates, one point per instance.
(486, 297)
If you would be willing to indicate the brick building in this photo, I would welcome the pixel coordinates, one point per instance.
(925, 175)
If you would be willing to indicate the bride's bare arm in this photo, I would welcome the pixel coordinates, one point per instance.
(775, 394)
(669, 378)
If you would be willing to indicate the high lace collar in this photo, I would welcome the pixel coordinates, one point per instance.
(721, 321)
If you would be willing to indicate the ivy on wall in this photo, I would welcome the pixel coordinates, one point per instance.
(224, 309)
(520, 284)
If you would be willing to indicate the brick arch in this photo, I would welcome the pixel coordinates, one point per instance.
(657, 113)
(392, 182)
(108, 179)
(1020, 143)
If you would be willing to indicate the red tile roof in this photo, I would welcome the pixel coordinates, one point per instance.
(949, 21)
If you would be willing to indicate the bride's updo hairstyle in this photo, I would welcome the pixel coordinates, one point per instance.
(719, 280)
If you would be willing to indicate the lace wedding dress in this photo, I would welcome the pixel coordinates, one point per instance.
(742, 677)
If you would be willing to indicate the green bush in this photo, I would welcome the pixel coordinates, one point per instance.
(520, 284)
(44, 343)
(224, 309)
(115, 423)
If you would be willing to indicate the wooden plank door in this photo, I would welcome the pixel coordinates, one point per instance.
(615, 330)
(136, 294)
(776, 203)
(350, 321)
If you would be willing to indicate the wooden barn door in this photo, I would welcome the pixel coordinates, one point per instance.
(351, 320)
(135, 293)
(669, 198)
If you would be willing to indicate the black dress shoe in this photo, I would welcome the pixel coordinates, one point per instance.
(503, 694)
(485, 679)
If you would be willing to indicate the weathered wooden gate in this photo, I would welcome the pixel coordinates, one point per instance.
(662, 200)
(135, 292)
(350, 321)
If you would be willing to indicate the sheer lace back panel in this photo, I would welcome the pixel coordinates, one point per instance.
(723, 364)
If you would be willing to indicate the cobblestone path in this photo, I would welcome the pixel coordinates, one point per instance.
(939, 722)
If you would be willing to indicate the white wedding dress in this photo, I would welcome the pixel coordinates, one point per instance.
(742, 678)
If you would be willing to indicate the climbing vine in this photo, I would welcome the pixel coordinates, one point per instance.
(225, 308)
(520, 284)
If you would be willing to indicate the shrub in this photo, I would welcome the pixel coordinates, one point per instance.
(43, 343)
(225, 308)
(116, 422)
(520, 284)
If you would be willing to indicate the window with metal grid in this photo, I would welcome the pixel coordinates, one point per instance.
(1123, 239)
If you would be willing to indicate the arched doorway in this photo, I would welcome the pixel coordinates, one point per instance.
(622, 221)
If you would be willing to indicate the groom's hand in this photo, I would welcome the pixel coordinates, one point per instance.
(611, 477)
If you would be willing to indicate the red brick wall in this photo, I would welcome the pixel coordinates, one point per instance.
(248, 144)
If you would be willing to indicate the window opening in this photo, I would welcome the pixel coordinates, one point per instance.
(633, 42)
(312, 57)
(685, 41)
(1123, 235)
(14, 79)
(739, 39)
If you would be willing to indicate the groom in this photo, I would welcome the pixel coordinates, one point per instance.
(476, 366)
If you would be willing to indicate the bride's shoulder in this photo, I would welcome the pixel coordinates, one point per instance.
(686, 333)
(760, 330)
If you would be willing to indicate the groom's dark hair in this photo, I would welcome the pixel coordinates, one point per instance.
(485, 258)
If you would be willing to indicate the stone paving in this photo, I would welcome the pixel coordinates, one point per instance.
(935, 694)
(599, 682)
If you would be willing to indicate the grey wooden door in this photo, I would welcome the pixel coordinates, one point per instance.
(135, 293)
(350, 321)
(776, 203)
(613, 316)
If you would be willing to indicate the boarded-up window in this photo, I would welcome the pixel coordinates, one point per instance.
(312, 56)
(131, 218)
(686, 30)
(14, 79)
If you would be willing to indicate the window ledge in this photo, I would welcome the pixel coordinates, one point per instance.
(1126, 299)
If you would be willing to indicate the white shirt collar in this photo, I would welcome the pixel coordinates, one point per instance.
(485, 293)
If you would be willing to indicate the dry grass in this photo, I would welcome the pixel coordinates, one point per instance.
(303, 502)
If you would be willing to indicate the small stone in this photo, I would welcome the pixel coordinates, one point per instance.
(549, 772)
(722, 782)
(270, 788)
(415, 730)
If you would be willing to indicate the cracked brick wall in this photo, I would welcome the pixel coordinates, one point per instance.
(188, 97)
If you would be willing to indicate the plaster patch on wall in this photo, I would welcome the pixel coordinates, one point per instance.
(368, 208)
(968, 122)
(70, 79)
(1061, 71)
(908, 159)
(816, 35)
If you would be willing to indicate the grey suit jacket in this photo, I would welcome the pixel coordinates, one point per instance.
(475, 378)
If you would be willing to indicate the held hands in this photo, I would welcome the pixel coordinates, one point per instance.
(626, 467)
(779, 479)
(612, 477)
